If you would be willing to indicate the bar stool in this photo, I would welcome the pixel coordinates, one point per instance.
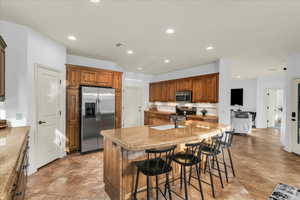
(158, 162)
(191, 157)
(226, 144)
(211, 151)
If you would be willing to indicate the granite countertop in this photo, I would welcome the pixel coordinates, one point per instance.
(145, 137)
(11, 143)
(209, 117)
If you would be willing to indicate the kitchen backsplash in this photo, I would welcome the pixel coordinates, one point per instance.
(212, 108)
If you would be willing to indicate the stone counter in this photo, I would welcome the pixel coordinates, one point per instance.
(12, 144)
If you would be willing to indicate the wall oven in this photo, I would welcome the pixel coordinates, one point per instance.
(184, 96)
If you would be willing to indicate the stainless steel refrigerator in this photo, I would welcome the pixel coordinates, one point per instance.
(97, 113)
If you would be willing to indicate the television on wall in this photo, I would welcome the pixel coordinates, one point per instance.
(237, 97)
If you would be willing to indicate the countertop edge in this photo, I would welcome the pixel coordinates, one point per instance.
(4, 191)
(191, 139)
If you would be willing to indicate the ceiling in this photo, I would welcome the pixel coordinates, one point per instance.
(257, 35)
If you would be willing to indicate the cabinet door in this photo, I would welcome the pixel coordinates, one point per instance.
(88, 77)
(73, 137)
(151, 92)
(117, 80)
(118, 108)
(171, 91)
(164, 91)
(157, 92)
(199, 91)
(212, 89)
(73, 77)
(184, 84)
(104, 78)
(73, 119)
(2, 72)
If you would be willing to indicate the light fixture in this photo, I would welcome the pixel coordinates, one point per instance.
(238, 76)
(209, 48)
(72, 37)
(95, 1)
(130, 52)
(167, 61)
(170, 31)
(140, 68)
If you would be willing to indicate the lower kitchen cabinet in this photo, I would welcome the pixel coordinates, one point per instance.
(18, 185)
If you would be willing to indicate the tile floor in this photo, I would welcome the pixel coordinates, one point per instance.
(259, 160)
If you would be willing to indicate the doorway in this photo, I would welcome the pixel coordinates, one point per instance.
(133, 106)
(274, 108)
(296, 117)
(49, 138)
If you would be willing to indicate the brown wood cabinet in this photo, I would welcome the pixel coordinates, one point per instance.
(204, 89)
(184, 84)
(2, 69)
(80, 75)
(18, 187)
(73, 119)
(155, 118)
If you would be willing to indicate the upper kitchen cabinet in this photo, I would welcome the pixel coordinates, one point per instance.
(184, 84)
(199, 90)
(73, 76)
(212, 88)
(104, 78)
(171, 90)
(204, 89)
(2, 69)
(88, 77)
(117, 80)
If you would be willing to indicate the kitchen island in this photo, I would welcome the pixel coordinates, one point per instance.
(123, 147)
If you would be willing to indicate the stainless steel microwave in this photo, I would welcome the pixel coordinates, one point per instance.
(184, 96)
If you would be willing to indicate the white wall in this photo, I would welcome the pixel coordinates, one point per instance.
(90, 62)
(25, 49)
(16, 83)
(194, 71)
(250, 93)
(45, 52)
(224, 91)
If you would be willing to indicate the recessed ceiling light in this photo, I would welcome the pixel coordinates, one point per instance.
(170, 31)
(72, 37)
(140, 68)
(130, 52)
(167, 61)
(95, 1)
(209, 48)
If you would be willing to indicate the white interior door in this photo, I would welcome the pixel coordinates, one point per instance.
(296, 117)
(133, 104)
(49, 138)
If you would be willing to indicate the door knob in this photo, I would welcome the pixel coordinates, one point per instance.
(42, 122)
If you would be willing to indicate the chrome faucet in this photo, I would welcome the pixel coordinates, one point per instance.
(176, 119)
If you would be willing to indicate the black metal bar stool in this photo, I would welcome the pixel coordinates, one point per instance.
(158, 162)
(191, 157)
(226, 144)
(211, 150)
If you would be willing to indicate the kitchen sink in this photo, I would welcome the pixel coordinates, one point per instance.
(166, 127)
